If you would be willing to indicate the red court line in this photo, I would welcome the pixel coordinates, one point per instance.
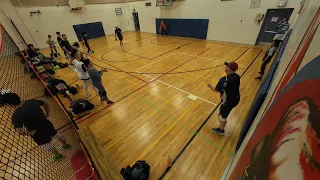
(143, 85)
(120, 69)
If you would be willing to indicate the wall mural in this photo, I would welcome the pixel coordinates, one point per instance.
(286, 143)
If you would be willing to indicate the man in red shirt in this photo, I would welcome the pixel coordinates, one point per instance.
(163, 28)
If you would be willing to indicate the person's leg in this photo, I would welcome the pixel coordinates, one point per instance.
(88, 47)
(94, 88)
(263, 68)
(85, 86)
(162, 32)
(224, 112)
(50, 148)
(62, 139)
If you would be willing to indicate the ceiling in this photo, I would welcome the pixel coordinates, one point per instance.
(19, 3)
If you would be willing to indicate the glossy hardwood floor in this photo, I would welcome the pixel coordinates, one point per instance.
(163, 105)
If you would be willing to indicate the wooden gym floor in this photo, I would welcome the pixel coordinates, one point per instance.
(167, 110)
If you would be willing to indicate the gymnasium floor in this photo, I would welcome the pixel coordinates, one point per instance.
(167, 110)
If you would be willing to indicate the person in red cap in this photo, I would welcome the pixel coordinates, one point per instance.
(229, 89)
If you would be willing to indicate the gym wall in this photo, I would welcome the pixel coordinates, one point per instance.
(298, 56)
(230, 21)
(193, 28)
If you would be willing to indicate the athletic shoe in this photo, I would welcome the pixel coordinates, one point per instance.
(218, 131)
(57, 158)
(67, 146)
(88, 95)
(109, 102)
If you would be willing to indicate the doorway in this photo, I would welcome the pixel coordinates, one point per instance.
(136, 21)
(269, 27)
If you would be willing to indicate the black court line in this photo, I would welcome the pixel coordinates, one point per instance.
(155, 56)
(202, 125)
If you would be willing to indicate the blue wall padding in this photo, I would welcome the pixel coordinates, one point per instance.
(194, 28)
(94, 30)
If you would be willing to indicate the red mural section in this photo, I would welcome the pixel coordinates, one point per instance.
(286, 143)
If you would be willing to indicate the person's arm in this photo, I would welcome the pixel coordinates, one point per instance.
(48, 42)
(115, 35)
(212, 88)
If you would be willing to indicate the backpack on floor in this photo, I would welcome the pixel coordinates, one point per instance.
(73, 90)
(80, 105)
(139, 171)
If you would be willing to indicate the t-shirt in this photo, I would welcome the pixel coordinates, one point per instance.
(30, 115)
(81, 70)
(118, 32)
(95, 76)
(59, 39)
(50, 42)
(163, 26)
(66, 44)
(283, 27)
(229, 88)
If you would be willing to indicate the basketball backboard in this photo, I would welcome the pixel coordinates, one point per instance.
(164, 2)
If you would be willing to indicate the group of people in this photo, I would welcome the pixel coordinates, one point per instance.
(229, 85)
(42, 130)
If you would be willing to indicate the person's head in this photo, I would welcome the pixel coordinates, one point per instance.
(64, 36)
(273, 44)
(162, 22)
(49, 36)
(76, 45)
(231, 67)
(58, 34)
(284, 20)
(87, 63)
(84, 34)
(30, 46)
(116, 26)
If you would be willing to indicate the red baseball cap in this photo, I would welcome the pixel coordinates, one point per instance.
(232, 65)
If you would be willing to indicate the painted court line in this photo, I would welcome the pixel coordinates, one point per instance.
(171, 86)
(155, 61)
(175, 120)
(208, 59)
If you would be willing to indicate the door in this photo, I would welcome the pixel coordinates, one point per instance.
(136, 21)
(269, 27)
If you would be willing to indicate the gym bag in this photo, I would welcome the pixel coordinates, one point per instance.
(139, 171)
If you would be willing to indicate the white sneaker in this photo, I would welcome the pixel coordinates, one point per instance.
(88, 95)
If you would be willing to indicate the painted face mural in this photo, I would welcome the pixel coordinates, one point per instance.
(286, 143)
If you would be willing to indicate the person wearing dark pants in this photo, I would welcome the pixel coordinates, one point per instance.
(266, 59)
(229, 89)
(163, 28)
(29, 119)
(118, 33)
(59, 39)
(95, 76)
(85, 42)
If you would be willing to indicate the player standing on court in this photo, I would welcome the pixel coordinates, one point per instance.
(266, 59)
(85, 42)
(118, 33)
(65, 45)
(163, 28)
(229, 89)
(59, 39)
(283, 27)
(30, 120)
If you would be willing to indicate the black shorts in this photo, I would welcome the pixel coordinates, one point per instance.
(120, 38)
(45, 133)
(226, 108)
